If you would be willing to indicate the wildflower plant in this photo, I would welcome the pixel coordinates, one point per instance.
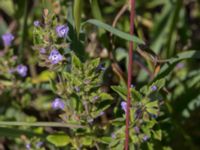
(77, 88)
(80, 99)
(12, 71)
(65, 97)
(145, 108)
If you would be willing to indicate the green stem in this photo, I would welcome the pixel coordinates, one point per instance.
(43, 124)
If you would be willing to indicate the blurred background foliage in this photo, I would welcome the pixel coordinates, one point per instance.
(168, 27)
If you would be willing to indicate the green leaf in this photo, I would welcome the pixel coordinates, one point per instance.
(53, 85)
(120, 146)
(59, 140)
(67, 75)
(150, 146)
(102, 106)
(94, 63)
(114, 143)
(152, 111)
(121, 91)
(114, 31)
(157, 135)
(134, 138)
(78, 4)
(150, 124)
(43, 77)
(7, 6)
(76, 63)
(96, 10)
(106, 96)
(105, 139)
(135, 95)
(16, 133)
(147, 88)
(118, 121)
(192, 54)
(87, 140)
(152, 104)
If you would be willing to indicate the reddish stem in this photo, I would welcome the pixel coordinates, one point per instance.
(130, 64)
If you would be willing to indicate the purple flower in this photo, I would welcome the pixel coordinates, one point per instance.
(113, 135)
(22, 70)
(145, 138)
(77, 89)
(124, 105)
(101, 67)
(11, 70)
(154, 88)
(154, 116)
(62, 30)
(39, 144)
(28, 146)
(55, 57)
(137, 130)
(58, 104)
(36, 23)
(132, 85)
(7, 39)
(95, 98)
(180, 65)
(101, 113)
(42, 50)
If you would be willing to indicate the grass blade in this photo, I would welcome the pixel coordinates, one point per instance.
(40, 124)
(114, 31)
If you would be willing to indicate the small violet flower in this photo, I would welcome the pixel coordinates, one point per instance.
(77, 89)
(154, 88)
(132, 86)
(42, 51)
(62, 31)
(95, 98)
(58, 104)
(101, 113)
(137, 130)
(55, 57)
(101, 67)
(154, 116)
(22, 70)
(28, 146)
(11, 70)
(180, 65)
(124, 105)
(113, 135)
(39, 144)
(36, 23)
(7, 39)
(145, 138)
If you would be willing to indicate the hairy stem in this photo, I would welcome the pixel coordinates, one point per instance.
(129, 75)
